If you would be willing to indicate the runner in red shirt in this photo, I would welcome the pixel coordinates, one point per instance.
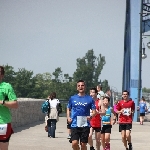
(96, 121)
(125, 108)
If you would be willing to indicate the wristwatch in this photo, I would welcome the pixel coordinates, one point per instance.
(3, 102)
(91, 117)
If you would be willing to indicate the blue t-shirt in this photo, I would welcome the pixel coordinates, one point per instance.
(142, 106)
(107, 117)
(80, 107)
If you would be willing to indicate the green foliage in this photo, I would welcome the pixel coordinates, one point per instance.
(42, 84)
(89, 69)
(105, 86)
(58, 75)
(9, 74)
(25, 84)
(146, 90)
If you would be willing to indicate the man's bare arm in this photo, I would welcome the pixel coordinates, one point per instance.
(68, 113)
(114, 114)
(10, 104)
(93, 112)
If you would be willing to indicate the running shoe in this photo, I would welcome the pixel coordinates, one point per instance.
(69, 137)
(107, 147)
(92, 148)
(130, 146)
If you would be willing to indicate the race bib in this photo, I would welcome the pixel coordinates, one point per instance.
(126, 111)
(82, 121)
(3, 129)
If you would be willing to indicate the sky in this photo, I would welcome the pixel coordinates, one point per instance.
(41, 35)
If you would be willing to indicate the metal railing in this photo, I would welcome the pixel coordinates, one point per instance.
(117, 96)
(64, 107)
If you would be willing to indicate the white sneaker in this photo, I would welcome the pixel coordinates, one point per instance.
(69, 137)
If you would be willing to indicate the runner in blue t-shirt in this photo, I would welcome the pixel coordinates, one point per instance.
(80, 106)
(142, 108)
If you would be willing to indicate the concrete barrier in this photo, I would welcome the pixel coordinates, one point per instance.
(29, 111)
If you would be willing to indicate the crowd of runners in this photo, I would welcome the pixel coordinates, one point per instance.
(88, 114)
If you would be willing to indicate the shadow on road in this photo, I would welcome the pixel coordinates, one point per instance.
(19, 129)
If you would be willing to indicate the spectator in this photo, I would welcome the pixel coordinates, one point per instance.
(52, 115)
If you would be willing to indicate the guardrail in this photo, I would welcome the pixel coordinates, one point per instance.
(64, 107)
(117, 96)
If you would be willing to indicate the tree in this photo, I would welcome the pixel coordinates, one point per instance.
(57, 74)
(67, 78)
(146, 90)
(43, 83)
(9, 74)
(89, 69)
(24, 83)
(105, 86)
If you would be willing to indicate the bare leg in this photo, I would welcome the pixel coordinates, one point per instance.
(97, 138)
(4, 146)
(75, 145)
(123, 134)
(103, 140)
(69, 131)
(107, 138)
(142, 119)
(90, 141)
(128, 136)
(83, 146)
(69, 134)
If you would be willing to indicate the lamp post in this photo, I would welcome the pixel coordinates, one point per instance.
(113, 91)
(142, 54)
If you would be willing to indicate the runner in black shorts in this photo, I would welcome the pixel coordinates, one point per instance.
(107, 123)
(125, 108)
(80, 105)
(142, 108)
(95, 121)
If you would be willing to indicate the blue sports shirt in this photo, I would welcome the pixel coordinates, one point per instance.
(80, 106)
(107, 117)
(142, 106)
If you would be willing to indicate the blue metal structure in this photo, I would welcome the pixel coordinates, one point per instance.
(135, 25)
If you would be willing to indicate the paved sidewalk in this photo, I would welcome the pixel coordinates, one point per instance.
(34, 137)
